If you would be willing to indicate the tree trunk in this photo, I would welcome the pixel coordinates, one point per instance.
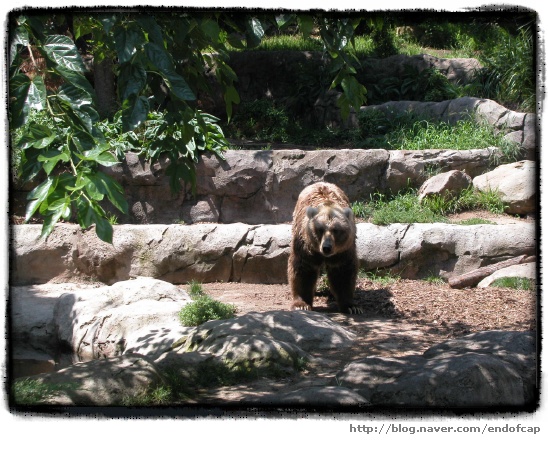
(104, 81)
(475, 276)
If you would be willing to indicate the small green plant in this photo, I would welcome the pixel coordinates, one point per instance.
(380, 277)
(520, 283)
(475, 221)
(435, 279)
(203, 308)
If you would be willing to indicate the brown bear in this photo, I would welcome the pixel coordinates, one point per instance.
(324, 235)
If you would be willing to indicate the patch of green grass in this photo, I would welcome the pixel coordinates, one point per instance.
(468, 199)
(402, 208)
(203, 308)
(380, 277)
(405, 207)
(520, 283)
(31, 392)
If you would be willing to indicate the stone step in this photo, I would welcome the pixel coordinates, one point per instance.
(252, 253)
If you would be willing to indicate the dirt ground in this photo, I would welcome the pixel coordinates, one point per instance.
(400, 318)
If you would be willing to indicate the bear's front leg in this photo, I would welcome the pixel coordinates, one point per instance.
(302, 279)
(342, 283)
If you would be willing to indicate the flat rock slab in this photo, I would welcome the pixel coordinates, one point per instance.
(252, 253)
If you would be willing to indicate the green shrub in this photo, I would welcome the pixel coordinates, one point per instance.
(203, 308)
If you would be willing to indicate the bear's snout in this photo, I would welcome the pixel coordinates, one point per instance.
(327, 246)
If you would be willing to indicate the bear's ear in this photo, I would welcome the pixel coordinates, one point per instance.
(311, 212)
(348, 213)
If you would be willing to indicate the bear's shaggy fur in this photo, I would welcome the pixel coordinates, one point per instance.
(324, 234)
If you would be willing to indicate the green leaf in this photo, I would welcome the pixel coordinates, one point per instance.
(78, 81)
(100, 155)
(354, 92)
(62, 50)
(254, 32)
(114, 192)
(37, 136)
(127, 41)
(231, 96)
(37, 196)
(51, 157)
(161, 60)
(151, 27)
(181, 170)
(36, 97)
(20, 37)
(284, 20)
(306, 25)
(77, 98)
(211, 29)
(131, 81)
(108, 21)
(134, 112)
(49, 222)
(235, 40)
(90, 212)
(103, 229)
(19, 107)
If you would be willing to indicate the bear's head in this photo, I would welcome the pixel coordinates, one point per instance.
(330, 230)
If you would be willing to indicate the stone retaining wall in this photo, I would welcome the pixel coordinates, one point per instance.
(251, 253)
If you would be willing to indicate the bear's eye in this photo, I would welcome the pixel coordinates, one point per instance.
(319, 229)
(339, 234)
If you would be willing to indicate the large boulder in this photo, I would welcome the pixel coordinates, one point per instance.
(485, 369)
(139, 316)
(446, 184)
(117, 381)
(445, 249)
(409, 168)
(305, 329)
(516, 183)
(527, 271)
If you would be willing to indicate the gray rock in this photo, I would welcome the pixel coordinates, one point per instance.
(32, 308)
(305, 329)
(456, 249)
(528, 270)
(472, 372)
(409, 168)
(260, 352)
(131, 315)
(378, 246)
(102, 382)
(516, 183)
(315, 396)
(445, 184)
